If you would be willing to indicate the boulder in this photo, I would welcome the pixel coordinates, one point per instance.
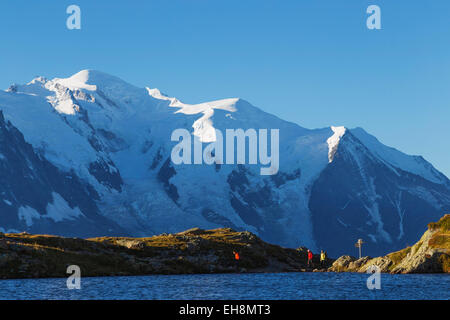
(342, 264)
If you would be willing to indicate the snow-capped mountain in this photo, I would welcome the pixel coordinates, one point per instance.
(36, 194)
(91, 154)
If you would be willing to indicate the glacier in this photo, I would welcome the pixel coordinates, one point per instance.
(334, 185)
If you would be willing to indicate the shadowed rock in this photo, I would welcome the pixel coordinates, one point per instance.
(431, 254)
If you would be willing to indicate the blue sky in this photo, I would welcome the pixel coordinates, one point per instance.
(311, 62)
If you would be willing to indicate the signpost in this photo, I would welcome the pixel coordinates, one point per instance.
(359, 244)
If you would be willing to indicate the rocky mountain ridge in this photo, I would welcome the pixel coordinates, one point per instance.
(193, 251)
(112, 140)
(431, 254)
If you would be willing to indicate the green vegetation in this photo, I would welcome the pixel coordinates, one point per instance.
(398, 256)
(443, 224)
(440, 240)
(193, 251)
(441, 233)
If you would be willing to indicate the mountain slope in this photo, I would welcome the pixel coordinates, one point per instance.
(361, 196)
(333, 181)
(37, 196)
(431, 254)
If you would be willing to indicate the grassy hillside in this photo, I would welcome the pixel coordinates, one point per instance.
(193, 251)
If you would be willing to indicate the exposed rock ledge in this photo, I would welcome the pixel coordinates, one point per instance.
(193, 251)
(430, 255)
(200, 251)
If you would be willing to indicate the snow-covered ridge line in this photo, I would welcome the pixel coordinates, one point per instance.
(64, 94)
(333, 141)
(77, 81)
(394, 158)
(203, 127)
(61, 91)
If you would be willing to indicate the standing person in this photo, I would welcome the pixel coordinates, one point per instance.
(323, 257)
(310, 257)
(236, 259)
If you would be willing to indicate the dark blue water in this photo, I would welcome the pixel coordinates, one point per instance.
(234, 286)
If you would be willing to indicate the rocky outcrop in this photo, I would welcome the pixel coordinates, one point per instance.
(193, 251)
(431, 254)
(342, 264)
(23, 255)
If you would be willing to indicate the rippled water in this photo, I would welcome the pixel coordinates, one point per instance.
(234, 286)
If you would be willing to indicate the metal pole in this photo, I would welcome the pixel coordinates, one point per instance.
(359, 245)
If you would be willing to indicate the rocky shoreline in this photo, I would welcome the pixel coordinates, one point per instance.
(193, 251)
(200, 251)
(431, 254)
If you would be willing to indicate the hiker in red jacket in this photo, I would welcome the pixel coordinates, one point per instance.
(310, 257)
(236, 259)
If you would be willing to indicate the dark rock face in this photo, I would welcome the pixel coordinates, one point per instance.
(282, 177)
(358, 196)
(165, 173)
(156, 160)
(30, 183)
(107, 174)
(249, 200)
(111, 141)
(219, 219)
